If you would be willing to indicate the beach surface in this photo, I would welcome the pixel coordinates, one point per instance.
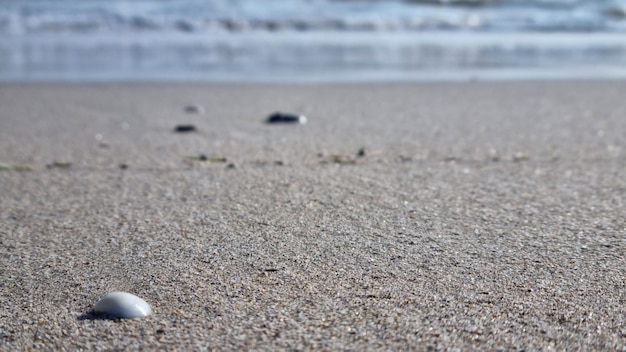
(430, 216)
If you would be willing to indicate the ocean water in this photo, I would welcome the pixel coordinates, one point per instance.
(310, 40)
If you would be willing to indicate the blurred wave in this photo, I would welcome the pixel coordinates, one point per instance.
(270, 39)
(39, 16)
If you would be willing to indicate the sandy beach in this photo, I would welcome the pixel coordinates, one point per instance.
(417, 216)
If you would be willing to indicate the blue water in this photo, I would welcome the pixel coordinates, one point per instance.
(311, 40)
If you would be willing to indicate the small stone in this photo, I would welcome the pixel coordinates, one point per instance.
(185, 128)
(204, 157)
(123, 166)
(519, 157)
(194, 109)
(280, 117)
(341, 159)
(361, 153)
(122, 305)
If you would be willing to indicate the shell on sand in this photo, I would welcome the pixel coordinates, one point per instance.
(122, 305)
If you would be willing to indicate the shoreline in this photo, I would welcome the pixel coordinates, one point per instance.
(328, 57)
(479, 216)
(329, 77)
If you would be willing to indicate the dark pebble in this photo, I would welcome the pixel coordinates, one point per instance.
(279, 117)
(185, 128)
(123, 166)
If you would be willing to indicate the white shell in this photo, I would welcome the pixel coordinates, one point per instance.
(122, 305)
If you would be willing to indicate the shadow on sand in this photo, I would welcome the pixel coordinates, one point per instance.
(91, 315)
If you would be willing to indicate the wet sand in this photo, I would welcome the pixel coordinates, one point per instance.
(460, 216)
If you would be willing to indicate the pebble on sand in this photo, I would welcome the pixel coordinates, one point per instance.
(194, 109)
(122, 305)
(203, 157)
(519, 157)
(341, 159)
(185, 128)
(280, 117)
